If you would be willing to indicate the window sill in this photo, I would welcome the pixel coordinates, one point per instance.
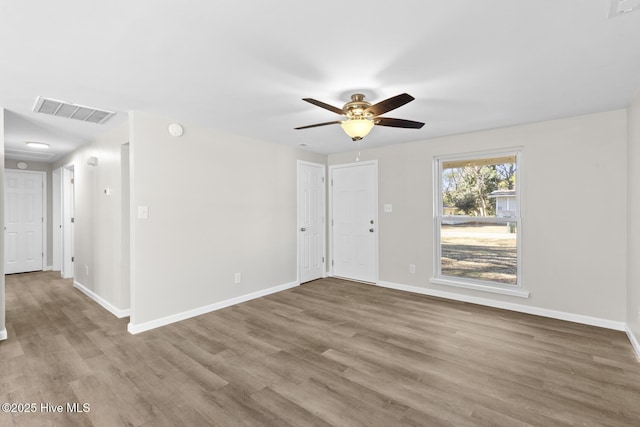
(516, 292)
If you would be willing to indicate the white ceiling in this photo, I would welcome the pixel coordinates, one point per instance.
(243, 66)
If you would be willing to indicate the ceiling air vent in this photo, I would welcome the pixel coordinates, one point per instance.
(71, 111)
(621, 7)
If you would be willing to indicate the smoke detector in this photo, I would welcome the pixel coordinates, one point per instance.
(622, 7)
(71, 111)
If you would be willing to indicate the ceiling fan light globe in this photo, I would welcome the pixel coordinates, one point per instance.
(357, 128)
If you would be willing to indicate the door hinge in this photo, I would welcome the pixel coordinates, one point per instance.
(331, 263)
(332, 182)
(73, 220)
(323, 260)
(72, 181)
(332, 223)
(73, 259)
(323, 179)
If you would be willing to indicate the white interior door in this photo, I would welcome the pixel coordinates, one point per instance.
(311, 223)
(354, 217)
(24, 221)
(56, 218)
(68, 219)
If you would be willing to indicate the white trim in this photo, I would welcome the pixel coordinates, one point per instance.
(634, 341)
(118, 312)
(468, 284)
(538, 311)
(48, 268)
(56, 218)
(68, 208)
(45, 220)
(3, 334)
(439, 217)
(132, 218)
(152, 324)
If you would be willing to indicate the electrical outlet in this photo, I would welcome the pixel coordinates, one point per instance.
(412, 268)
(237, 278)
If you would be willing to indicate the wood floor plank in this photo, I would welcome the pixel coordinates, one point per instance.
(330, 352)
(288, 412)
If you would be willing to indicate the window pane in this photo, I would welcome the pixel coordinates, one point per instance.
(479, 187)
(479, 250)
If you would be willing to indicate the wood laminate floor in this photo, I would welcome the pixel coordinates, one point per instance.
(329, 352)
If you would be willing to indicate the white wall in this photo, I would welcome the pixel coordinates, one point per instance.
(97, 232)
(218, 204)
(3, 331)
(633, 222)
(573, 262)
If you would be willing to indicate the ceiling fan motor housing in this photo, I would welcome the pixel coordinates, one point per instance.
(356, 108)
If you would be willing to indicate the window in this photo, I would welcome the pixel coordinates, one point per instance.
(477, 222)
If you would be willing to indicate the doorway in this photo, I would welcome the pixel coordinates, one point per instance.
(311, 221)
(56, 218)
(68, 220)
(24, 221)
(354, 221)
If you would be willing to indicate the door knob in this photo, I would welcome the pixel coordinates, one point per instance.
(371, 230)
(303, 229)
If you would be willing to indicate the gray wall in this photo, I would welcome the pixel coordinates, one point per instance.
(98, 217)
(573, 217)
(633, 220)
(218, 204)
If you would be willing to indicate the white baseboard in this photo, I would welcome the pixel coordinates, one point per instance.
(554, 314)
(118, 312)
(634, 341)
(3, 334)
(152, 324)
(48, 268)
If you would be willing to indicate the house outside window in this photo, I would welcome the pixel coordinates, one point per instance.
(477, 221)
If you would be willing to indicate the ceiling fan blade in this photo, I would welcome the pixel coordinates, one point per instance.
(319, 124)
(389, 104)
(397, 123)
(324, 105)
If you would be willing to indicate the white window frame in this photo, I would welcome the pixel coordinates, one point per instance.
(438, 217)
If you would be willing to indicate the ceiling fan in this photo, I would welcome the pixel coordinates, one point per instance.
(361, 115)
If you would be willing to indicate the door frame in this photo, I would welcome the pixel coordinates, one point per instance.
(324, 215)
(68, 212)
(56, 219)
(376, 219)
(44, 210)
